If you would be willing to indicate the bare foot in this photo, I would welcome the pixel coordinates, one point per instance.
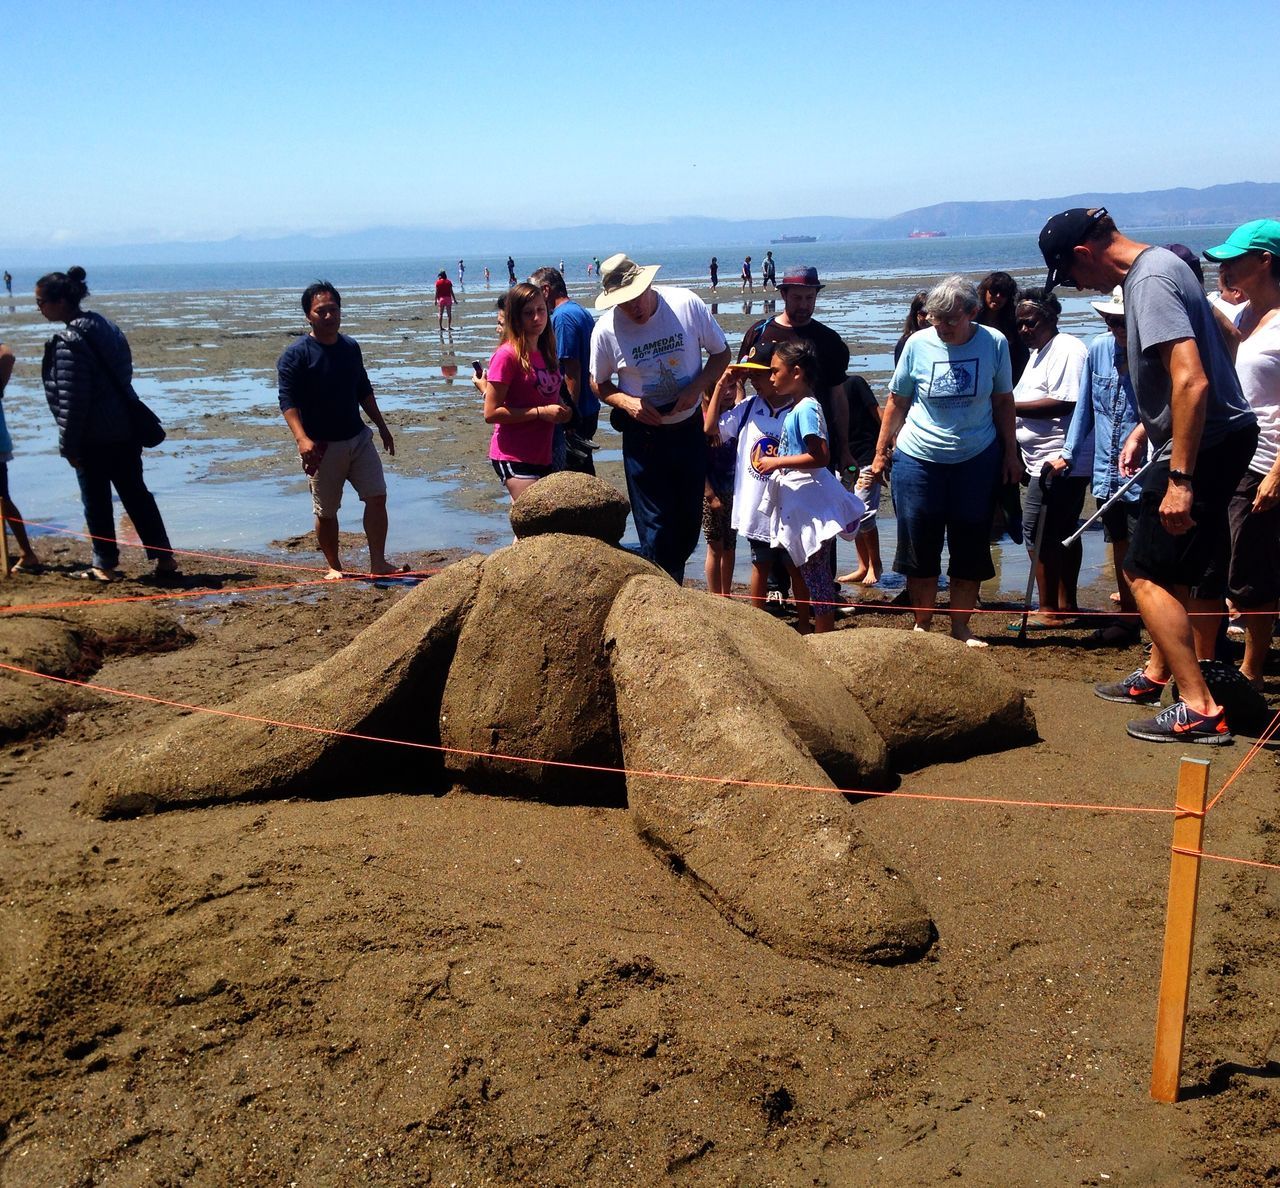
(385, 570)
(871, 578)
(853, 577)
(334, 575)
(965, 636)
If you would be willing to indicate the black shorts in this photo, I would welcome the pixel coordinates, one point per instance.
(763, 553)
(1254, 577)
(519, 470)
(1200, 557)
(1061, 511)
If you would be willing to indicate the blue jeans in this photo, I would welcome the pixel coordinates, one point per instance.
(666, 471)
(119, 466)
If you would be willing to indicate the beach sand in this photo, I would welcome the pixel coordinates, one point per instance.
(424, 985)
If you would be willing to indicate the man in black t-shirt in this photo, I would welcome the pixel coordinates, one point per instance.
(799, 291)
(322, 388)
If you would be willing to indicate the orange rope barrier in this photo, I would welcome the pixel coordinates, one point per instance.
(596, 767)
(206, 592)
(1250, 755)
(168, 595)
(53, 528)
(1224, 858)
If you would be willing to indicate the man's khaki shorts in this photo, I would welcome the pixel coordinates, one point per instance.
(355, 461)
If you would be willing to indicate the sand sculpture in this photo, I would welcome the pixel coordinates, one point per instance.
(565, 647)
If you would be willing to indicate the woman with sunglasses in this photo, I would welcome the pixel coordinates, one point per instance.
(1044, 399)
(998, 292)
(917, 319)
(1107, 413)
(1249, 263)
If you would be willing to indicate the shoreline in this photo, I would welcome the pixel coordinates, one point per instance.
(227, 478)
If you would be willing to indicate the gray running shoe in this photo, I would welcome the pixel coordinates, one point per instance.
(1136, 689)
(1180, 723)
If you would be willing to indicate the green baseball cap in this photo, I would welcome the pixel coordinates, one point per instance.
(1262, 235)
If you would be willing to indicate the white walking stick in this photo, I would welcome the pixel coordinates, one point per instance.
(1158, 456)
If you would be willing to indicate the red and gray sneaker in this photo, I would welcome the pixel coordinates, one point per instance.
(1136, 689)
(1180, 723)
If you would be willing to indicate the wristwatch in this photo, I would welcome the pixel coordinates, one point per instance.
(1181, 475)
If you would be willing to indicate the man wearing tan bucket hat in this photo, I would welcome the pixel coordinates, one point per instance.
(647, 365)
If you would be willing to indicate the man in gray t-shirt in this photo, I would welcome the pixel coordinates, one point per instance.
(1192, 409)
(1164, 303)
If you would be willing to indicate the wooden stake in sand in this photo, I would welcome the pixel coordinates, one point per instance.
(1179, 929)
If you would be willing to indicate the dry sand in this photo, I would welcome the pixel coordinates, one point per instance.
(400, 989)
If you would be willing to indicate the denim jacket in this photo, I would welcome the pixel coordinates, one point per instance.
(1106, 409)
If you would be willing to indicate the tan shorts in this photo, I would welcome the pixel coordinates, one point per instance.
(353, 461)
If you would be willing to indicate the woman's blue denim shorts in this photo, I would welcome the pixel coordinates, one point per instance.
(955, 500)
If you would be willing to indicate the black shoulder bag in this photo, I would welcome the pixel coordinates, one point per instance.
(148, 432)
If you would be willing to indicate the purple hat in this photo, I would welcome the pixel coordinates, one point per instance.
(802, 278)
(1188, 257)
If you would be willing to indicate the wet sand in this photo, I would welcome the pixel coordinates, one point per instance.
(399, 988)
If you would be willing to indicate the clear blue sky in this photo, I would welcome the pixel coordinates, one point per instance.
(136, 121)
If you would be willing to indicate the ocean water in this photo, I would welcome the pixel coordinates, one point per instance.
(861, 258)
(211, 503)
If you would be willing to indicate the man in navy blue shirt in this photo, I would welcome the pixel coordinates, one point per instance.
(323, 386)
(573, 326)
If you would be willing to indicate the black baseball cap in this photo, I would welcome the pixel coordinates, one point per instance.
(758, 358)
(1059, 238)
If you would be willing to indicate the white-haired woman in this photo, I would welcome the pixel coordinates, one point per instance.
(950, 410)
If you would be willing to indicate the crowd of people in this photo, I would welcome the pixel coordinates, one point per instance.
(1169, 416)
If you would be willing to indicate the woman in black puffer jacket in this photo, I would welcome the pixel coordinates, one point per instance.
(88, 371)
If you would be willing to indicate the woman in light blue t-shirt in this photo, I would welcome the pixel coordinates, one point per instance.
(950, 410)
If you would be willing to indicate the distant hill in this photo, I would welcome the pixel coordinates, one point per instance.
(1214, 205)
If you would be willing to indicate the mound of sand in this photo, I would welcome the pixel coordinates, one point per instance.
(931, 698)
(571, 503)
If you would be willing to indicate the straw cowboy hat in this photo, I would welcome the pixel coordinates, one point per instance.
(622, 279)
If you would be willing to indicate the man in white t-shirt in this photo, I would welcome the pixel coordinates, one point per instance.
(647, 365)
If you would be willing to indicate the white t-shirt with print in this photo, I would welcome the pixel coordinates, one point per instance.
(1052, 373)
(752, 423)
(661, 357)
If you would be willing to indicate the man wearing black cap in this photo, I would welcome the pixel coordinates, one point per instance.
(1196, 420)
(799, 289)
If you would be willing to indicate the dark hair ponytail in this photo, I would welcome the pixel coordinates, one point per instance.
(66, 286)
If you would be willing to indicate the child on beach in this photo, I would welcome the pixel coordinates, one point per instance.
(717, 499)
(27, 561)
(522, 393)
(752, 425)
(807, 505)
